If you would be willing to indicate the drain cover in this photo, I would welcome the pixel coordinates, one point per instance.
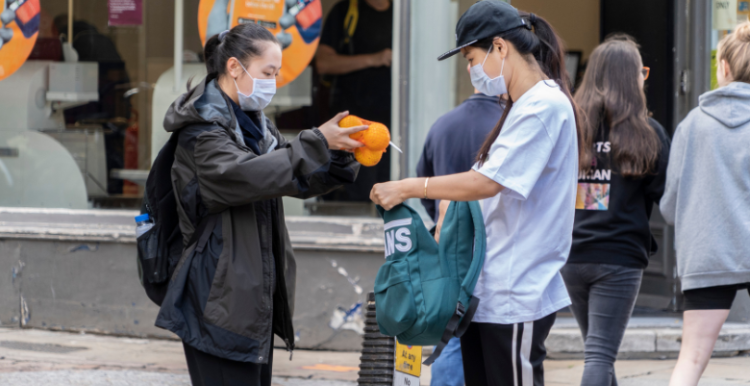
(41, 347)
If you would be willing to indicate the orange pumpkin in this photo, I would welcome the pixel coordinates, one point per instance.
(376, 139)
(367, 157)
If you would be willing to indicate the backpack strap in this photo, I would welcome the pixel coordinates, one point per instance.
(461, 319)
(466, 321)
(200, 235)
(477, 262)
(448, 334)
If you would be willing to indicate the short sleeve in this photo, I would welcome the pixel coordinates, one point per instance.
(333, 28)
(518, 156)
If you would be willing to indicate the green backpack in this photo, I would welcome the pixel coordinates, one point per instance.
(423, 292)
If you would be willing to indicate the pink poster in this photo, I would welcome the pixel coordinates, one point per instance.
(125, 12)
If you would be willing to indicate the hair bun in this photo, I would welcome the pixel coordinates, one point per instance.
(743, 32)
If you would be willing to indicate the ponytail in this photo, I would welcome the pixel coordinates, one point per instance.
(240, 42)
(547, 49)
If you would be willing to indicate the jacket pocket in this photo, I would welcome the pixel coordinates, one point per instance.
(394, 298)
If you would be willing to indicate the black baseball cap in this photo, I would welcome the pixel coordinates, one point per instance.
(484, 19)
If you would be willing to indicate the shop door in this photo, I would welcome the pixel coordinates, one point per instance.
(651, 23)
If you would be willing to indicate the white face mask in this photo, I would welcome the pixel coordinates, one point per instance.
(263, 92)
(482, 82)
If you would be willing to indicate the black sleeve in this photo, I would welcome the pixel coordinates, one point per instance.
(333, 28)
(341, 169)
(426, 169)
(655, 183)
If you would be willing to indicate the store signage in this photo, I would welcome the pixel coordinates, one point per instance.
(125, 12)
(18, 33)
(295, 23)
(743, 11)
(408, 365)
(725, 14)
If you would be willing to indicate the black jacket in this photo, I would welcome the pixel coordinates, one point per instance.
(231, 297)
(613, 212)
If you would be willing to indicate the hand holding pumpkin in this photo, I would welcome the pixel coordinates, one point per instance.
(339, 139)
(375, 139)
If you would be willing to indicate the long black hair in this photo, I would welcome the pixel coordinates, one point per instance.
(547, 49)
(241, 42)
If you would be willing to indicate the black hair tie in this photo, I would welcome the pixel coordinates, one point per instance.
(222, 35)
(532, 19)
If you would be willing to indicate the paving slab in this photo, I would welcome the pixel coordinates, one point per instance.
(37, 357)
(646, 338)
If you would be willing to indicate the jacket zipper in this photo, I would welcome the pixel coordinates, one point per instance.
(289, 348)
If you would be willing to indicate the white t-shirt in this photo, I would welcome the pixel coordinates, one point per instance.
(529, 224)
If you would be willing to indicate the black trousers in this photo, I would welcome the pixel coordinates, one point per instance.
(505, 354)
(208, 370)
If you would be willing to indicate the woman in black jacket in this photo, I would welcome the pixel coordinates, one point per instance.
(234, 289)
(623, 163)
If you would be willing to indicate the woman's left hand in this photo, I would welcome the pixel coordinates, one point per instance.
(337, 137)
(388, 194)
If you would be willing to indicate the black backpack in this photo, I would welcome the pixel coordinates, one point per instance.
(160, 249)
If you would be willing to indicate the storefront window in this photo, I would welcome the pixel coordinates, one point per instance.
(95, 125)
(726, 15)
(89, 119)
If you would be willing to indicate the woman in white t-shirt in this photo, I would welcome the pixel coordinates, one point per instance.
(526, 175)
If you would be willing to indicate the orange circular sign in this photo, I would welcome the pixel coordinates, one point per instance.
(18, 32)
(296, 23)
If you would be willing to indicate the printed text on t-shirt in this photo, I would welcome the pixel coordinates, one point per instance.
(595, 196)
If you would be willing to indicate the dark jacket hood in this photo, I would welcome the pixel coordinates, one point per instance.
(729, 105)
(204, 104)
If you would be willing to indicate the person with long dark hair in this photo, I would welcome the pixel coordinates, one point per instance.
(228, 298)
(622, 173)
(525, 174)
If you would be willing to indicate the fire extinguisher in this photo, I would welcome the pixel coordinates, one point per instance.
(131, 152)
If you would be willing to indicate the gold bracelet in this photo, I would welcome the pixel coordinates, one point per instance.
(426, 181)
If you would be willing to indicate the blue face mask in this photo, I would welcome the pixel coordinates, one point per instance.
(263, 92)
(482, 82)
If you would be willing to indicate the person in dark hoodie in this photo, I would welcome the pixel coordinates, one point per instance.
(707, 198)
(227, 300)
(621, 175)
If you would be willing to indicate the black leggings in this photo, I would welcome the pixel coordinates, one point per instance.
(712, 298)
(209, 370)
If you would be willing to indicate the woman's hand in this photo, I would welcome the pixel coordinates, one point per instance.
(337, 137)
(388, 194)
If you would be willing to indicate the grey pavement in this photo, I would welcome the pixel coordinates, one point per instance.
(128, 378)
(646, 338)
(37, 357)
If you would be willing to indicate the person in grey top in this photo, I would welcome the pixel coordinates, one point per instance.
(707, 198)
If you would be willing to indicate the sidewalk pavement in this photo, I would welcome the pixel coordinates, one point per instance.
(646, 338)
(36, 357)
